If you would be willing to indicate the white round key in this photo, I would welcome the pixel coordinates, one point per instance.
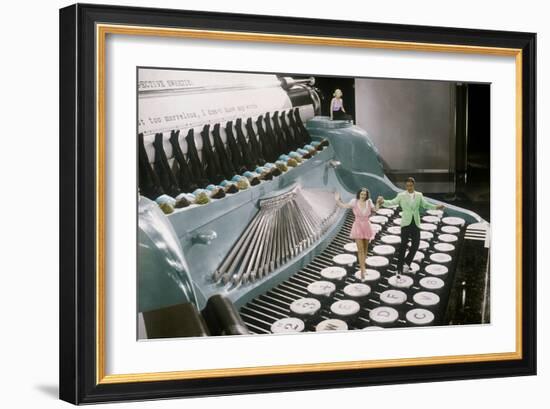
(432, 283)
(447, 238)
(453, 221)
(440, 258)
(377, 261)
(418, 257)
(420, 316)
(422, 245)
(305, 306)
(370, 275)
(426, 298)
(383, 315)
(431, 219)
(450, 229)
(414, 268)
(344, 259)
(321, 288)
(402, 282)
(444, 247)
(287, 325)
(332, 324)
(385, 212)
(383, 250)
(356, 290)
(333, 273)
(376, 227)
(426, 235)
(345, 308)
(428, 226)
(436, 270)
(378, 219)
(391, 239)
(435, 212)
(396, 230)
(351, 247)
(397, 221)
(393, 297)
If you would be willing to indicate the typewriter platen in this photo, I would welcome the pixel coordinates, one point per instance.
(239, 232)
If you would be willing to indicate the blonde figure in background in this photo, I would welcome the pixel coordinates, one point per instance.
(361, 230)
(337, 110)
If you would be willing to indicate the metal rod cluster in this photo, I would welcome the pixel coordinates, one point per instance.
(284, 226)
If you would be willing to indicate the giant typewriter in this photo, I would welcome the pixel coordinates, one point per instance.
(239, 232)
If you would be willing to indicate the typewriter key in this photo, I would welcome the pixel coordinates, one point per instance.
(377, 262)
(403, 281)
(435, 212)
(396, 230)
(378, 219)
(450, 229)
(357, 292)
(426, 235)
(376, 228)
(287, 325)
(391, 239)
(335, 275)
(422, 245)
(447, 238)
(350, 247)
(383, 315)
(345, 310)
(428, 226)
(305, 308)
(393, 297)
(344, 259)
(440, 258)
(370, 275)
(420, 316)
(431, 219)
(453, 221)
(432, 283)
(414, 268)
(444, 247)
(418, 257)
(383, 250)
(321, 290)
(426, 299)
(436, 270)
(332, 324)
(385, 212)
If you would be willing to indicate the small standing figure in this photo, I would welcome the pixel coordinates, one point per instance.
(337, 110)
(361, 230)
(410, 202)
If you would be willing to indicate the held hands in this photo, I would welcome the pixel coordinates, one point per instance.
(440, 207)
(337, 196)
(379, 200)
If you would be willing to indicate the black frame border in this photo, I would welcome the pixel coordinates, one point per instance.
(77, 284)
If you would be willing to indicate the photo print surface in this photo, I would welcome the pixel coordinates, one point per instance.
(292, 203)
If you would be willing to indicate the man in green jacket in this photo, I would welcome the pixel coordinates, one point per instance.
(410, 202)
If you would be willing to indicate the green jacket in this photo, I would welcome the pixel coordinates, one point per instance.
(410, 207)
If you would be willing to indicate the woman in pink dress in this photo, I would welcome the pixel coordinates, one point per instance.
(361, 230)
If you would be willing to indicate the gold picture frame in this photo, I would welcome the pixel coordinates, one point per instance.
(92, 383)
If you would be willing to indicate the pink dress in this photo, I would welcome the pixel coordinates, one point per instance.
(361, 228)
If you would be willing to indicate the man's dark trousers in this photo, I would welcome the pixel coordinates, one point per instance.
(410, 232)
